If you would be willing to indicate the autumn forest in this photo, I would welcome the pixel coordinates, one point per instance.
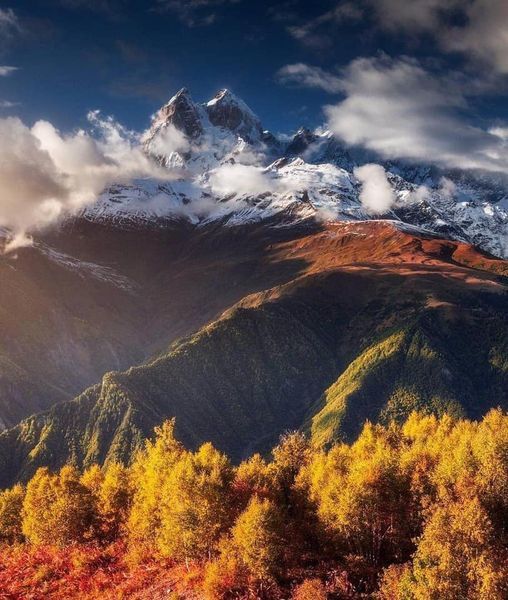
(417, 511)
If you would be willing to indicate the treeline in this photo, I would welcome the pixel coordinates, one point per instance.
(417, 511)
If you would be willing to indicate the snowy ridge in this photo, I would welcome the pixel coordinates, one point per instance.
(229, 168)
(87, 269)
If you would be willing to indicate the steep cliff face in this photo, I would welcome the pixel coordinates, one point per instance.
(229, 112)
(182, 113)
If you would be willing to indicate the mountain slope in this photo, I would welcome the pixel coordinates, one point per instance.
(62, 323)
(88, 299)
(151, 262)
(309, 174)
(379, 321)
(442, 364)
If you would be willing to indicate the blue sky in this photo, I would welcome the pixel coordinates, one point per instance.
(126, 57)
(129, 57)
(435, 71)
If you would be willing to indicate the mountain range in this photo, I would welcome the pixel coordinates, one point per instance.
(253, 292)
(308, 174)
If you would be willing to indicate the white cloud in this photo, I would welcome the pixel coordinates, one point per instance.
(45, 175)
(447, 188)
(240, 179)
(245, 154)
(399, 110)
(250, 180)
(309, 76)
(376, 195)
(5, 71)
(9, 26)
(417, 196)
(169, 139)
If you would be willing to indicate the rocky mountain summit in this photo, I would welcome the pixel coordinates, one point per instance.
(228, 167)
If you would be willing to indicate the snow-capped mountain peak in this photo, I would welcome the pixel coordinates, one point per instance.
(301, 141)
(236, 171)
(182, 113)
(230, 112)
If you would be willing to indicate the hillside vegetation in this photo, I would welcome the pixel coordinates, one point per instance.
(91, 298)
(415, 511)
(345, 341)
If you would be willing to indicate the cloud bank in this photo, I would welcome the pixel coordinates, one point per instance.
(45, 175)
(398, 109)
(250, 180)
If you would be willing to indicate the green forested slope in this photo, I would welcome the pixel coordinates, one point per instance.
(325, 352)
(456, 367)
(88, 299)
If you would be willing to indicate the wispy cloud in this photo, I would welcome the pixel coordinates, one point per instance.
(303, 75)
(140, 84)
(9, 26)
(478, 29)
(109, 8)
(480, 32)
(410, 16)
(131, 52)
(318, 33)
(8, 20)
(195, 13)
(284, 11)
(5, 71)
(484, 35)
